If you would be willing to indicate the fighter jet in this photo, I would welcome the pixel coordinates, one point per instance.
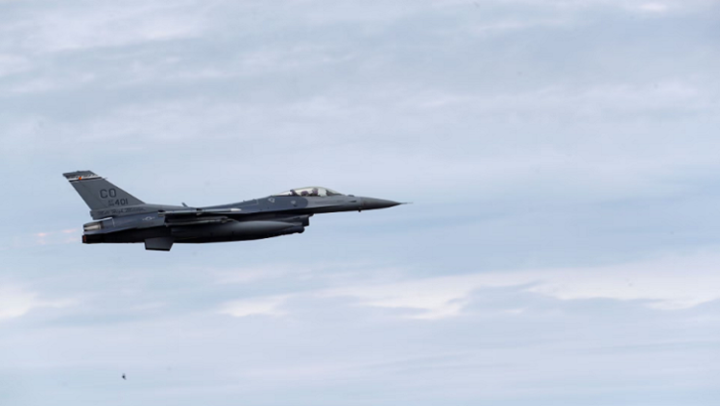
(123, 218)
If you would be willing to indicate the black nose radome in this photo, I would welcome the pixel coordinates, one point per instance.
(369, 203)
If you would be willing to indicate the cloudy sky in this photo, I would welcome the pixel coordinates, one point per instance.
(562, 157)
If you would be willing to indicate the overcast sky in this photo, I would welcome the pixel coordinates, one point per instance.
(562, 157)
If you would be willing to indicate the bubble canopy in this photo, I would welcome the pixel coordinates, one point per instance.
(310, 191)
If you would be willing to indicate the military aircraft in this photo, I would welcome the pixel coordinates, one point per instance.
(123, 218)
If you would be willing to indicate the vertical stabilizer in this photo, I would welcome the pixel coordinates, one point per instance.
(98, 193)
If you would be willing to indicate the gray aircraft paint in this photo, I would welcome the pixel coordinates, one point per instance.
(123, 218)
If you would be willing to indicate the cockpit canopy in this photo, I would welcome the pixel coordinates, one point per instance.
(310, 191)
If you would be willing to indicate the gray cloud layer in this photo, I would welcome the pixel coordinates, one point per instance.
(561, 156)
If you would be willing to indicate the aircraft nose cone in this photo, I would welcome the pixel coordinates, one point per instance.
(370, 203)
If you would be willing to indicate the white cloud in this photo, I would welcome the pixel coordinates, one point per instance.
(596, 101)
(654, 7)
(10, 64)
(436, 297)
(74, 26)
(264, 306)
(665, 284)
(572, 4)
(248, 275)
(67, 236)
(631, 5)
(16, 302)
(322, 271)
(507, 26)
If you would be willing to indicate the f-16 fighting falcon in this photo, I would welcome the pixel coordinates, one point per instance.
(123, 218)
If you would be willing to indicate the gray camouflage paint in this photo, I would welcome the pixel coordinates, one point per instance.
(123, 218)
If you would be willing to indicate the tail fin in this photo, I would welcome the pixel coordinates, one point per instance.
(98, 193)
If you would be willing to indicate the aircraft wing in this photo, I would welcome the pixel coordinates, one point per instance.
(189, 213)
(193, 216)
